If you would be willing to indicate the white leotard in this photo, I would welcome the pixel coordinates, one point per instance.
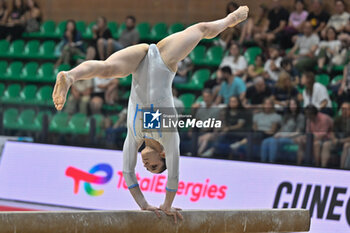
(151, 87)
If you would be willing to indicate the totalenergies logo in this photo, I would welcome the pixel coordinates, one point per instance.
(89, 177)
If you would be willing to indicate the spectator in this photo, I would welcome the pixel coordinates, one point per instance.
(104, 91)
(256, 69)
(318, 124)
(272, 65)
(32, 16)
(183, 68)
(293, 124)
(235, 61)
(287, 66)
(231, 86)
(343, 87)
(79, 98)
(115, 133)
(318, 18)
(71, 44)
(15, 24)
(306, 45)
(329, 48)
(231, 32)
(284, 90)
(339, 20)
(255, 26)
(256, 93)
(339, 139)
(179, 105)
(129, 36)
(215, 84)
(315, 93)
(101, 35)
(3, 12)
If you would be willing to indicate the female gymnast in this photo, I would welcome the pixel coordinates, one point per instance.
(153, 68)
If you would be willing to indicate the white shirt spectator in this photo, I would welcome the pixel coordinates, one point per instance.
(333, 45)
(338, 21)
(100, 81)
(240, 64)
(319, 94)
(267, 67)
(305, 43)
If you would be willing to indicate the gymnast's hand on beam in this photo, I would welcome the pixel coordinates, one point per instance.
(172, 211)
(152, 208)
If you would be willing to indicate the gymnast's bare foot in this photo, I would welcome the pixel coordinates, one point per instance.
(238, 15)
(63, 82)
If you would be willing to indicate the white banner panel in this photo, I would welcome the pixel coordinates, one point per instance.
(92, 179)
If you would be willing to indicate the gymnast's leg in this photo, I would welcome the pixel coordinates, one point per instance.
(177, 46)
(119, 64)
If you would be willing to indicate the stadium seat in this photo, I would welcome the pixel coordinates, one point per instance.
(176, 27)
(113, 27)
(45, 73)
(114, 118)
(11, 95)
(40, 119)
(213, 56)
(16, 49)
(62, 67)
(126, 81)
(143, 29)
(323, 79)
(14, 71)
(10, 118)
(99, 123)
(199, 99)
(29, 71)
(79, 124)
(251, 53)
(59, 123)
(187, 99)
(121, 28)
(81, 26)
(2, 90)
(158, 32)
(43, 96)
(4, 47)
(28, 95)
(47, 50)
(196, 82)
(47, 29)
(336, 79)
(26, 120)
(59, 30)
(31, 49)
(197, 55)
(88, 31)
(125, 95)
(3, 68)
(112, 108)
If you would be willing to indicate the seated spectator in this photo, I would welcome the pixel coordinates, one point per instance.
(278, 19)
(256, 69)
(183, 68)
(32, 16)
(303, 51)
(229, 33)
(267, 121)
(293, 124)
(318, 124)
(215, 84)
(231, 86)
(255, 95)
(3, 14)
(287, 66)
(235, 61)
(114, 133)
(284, 90)
(71, 44)
(15, 22)
(342, 88)
(255, 25)
(233, 129)
(79, 97)
(339, 139)
(101, 34)
(318, 17)
(315, 94)
(104, 91)
(329, 48)
(129, 36)
(339, 19)
(272, 65)
(179, 105)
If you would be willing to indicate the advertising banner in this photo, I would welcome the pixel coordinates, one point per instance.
(92, 179)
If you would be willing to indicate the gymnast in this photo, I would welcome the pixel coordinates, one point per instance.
(153, 68)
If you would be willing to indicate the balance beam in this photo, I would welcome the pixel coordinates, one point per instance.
(216, 221)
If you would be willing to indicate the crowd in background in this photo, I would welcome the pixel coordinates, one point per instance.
(271, 106)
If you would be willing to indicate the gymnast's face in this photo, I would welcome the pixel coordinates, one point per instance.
(152, 160)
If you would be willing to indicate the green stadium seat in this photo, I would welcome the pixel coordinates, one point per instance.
(39, 119)
(59, 31)
(4, 47)
(47, 50)
(14, 71)
(81, 26)
(88, 31)
(197, 55)
(158, 32)
(16, 49)
(29, 71)
(12, 94)
(28, 95)
(126, 81)
(187, 99)
(62, 67)
(26, 120)
(79, 124)
(45, 73)
(10, 118)
(59, 123)
(336, 79)
(199, 99)
(112, 108)
(113, 27)
(99, 123)
(3, 68)
(2, 90)
(119, 31)
(47, 29)
(323, 79)
(176, 27)
(196, 82)
(214, 56)
(44, 96)
(251, 53)
(114, 118)
(143, 29)
(31, 49)
(125, 95)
